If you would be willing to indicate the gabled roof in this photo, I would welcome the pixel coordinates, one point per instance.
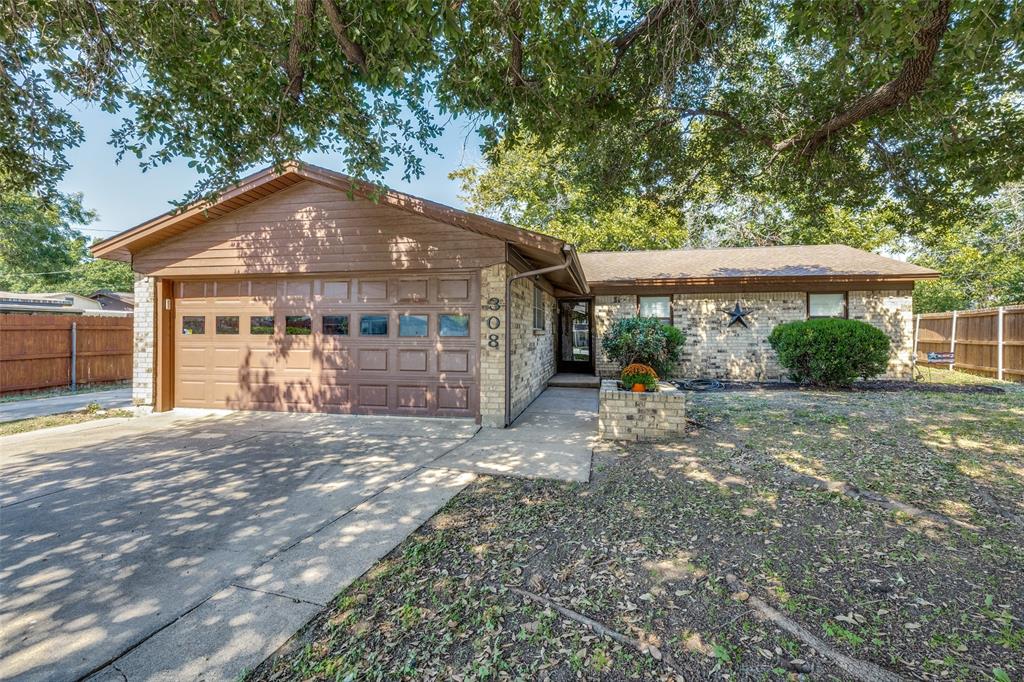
(537, 247)
(824, 263)
(124, 296)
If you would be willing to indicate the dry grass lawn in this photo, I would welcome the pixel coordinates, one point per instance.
(890, 526)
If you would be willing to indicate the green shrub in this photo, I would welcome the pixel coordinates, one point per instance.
(830, 352)
(644, 340)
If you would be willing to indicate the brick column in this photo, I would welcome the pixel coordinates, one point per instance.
(492, 357)
(143, 346)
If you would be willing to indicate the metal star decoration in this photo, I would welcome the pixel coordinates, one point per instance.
(738, 314)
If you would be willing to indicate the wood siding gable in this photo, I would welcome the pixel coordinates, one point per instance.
(310, 228)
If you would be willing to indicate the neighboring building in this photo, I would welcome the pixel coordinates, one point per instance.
(287, 294)
(61, 303)
(114, 300)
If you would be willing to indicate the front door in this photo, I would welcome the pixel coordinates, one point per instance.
(575, 340)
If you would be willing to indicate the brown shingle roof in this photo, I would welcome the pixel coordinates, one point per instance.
(830, 261)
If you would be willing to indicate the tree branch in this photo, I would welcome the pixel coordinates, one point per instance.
(301, 27)
(215, 13)
(650, 21)
(352, 51)
(909, 82)
(727, 116)
(515, 60)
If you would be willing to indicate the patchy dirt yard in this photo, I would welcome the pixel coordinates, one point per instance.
(888, 529)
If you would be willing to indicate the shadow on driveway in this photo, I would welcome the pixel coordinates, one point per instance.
(199, 544)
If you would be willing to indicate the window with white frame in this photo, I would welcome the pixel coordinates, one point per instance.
(659, 307)
(538, 308)
(832, 304)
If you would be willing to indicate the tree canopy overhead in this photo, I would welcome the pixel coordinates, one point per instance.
(832, 103)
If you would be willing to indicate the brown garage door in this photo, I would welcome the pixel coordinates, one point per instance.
(370, 344)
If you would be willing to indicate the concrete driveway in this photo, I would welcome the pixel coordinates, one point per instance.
(182, 547)
(40, 407)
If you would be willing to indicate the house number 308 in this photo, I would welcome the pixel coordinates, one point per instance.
(493, 322)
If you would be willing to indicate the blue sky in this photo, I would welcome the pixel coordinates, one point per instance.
(124, 196)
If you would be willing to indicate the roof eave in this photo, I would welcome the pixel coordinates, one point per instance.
(118, 247)
(908, 278)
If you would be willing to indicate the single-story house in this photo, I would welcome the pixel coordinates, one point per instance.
(55, 303)
(114, 300)
(302, 289)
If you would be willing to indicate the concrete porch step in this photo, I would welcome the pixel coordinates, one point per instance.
(566, 380)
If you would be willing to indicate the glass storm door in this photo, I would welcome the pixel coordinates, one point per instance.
(575, 341)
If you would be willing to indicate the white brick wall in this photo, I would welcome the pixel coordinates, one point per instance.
(623, 415)
(715, 350)
(608, 309)
(533, 353)
(492, 358)
(892, 312)
(143, 342)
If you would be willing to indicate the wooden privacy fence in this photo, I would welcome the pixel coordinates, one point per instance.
(36, 350)
(988, 341)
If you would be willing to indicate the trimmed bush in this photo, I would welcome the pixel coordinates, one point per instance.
(644, 340)
(830, 352)
(639, 374)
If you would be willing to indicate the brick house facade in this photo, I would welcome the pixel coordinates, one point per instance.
(303, 290)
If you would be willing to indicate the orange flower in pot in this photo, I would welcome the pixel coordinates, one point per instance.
(639, 378)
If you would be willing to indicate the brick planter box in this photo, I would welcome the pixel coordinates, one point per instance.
(624, 415)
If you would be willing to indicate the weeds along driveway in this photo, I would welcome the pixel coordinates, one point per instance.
(199, 541)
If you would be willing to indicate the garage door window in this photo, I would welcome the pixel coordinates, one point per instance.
(373, 325)
(412, 325)
(193, 324)
(261, 325)
(454, 325)
(335, 325)
(227, 324)
(298, 325)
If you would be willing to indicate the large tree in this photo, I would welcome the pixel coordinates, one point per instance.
(41, 248)
(819, 103)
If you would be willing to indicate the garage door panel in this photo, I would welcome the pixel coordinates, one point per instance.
(413, 290)
(373, 291)
(191, 357)
(413, 360)
(454, 289)
(335, 291)
(336, 359)
(453, 397)
(336, 394)
(372, 395)
(338, 371)
(229, 292)
(413, 397)
(191, 390)
(297, 359)
(454, 361)
(372, 360)
(226, 358)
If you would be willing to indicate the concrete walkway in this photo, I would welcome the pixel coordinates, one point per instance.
(553, 438)
(41, 407)
(186, 547)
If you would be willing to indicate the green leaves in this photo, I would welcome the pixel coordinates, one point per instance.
(830, 352)
(666, 102)
(644, 340)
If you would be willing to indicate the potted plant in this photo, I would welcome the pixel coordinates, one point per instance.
(639, 378)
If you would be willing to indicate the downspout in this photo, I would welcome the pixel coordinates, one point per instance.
(567, 252)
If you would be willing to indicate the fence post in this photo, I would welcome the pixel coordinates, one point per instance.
(999, 344)
(917, 334)
(74, 357)
(952, 342)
